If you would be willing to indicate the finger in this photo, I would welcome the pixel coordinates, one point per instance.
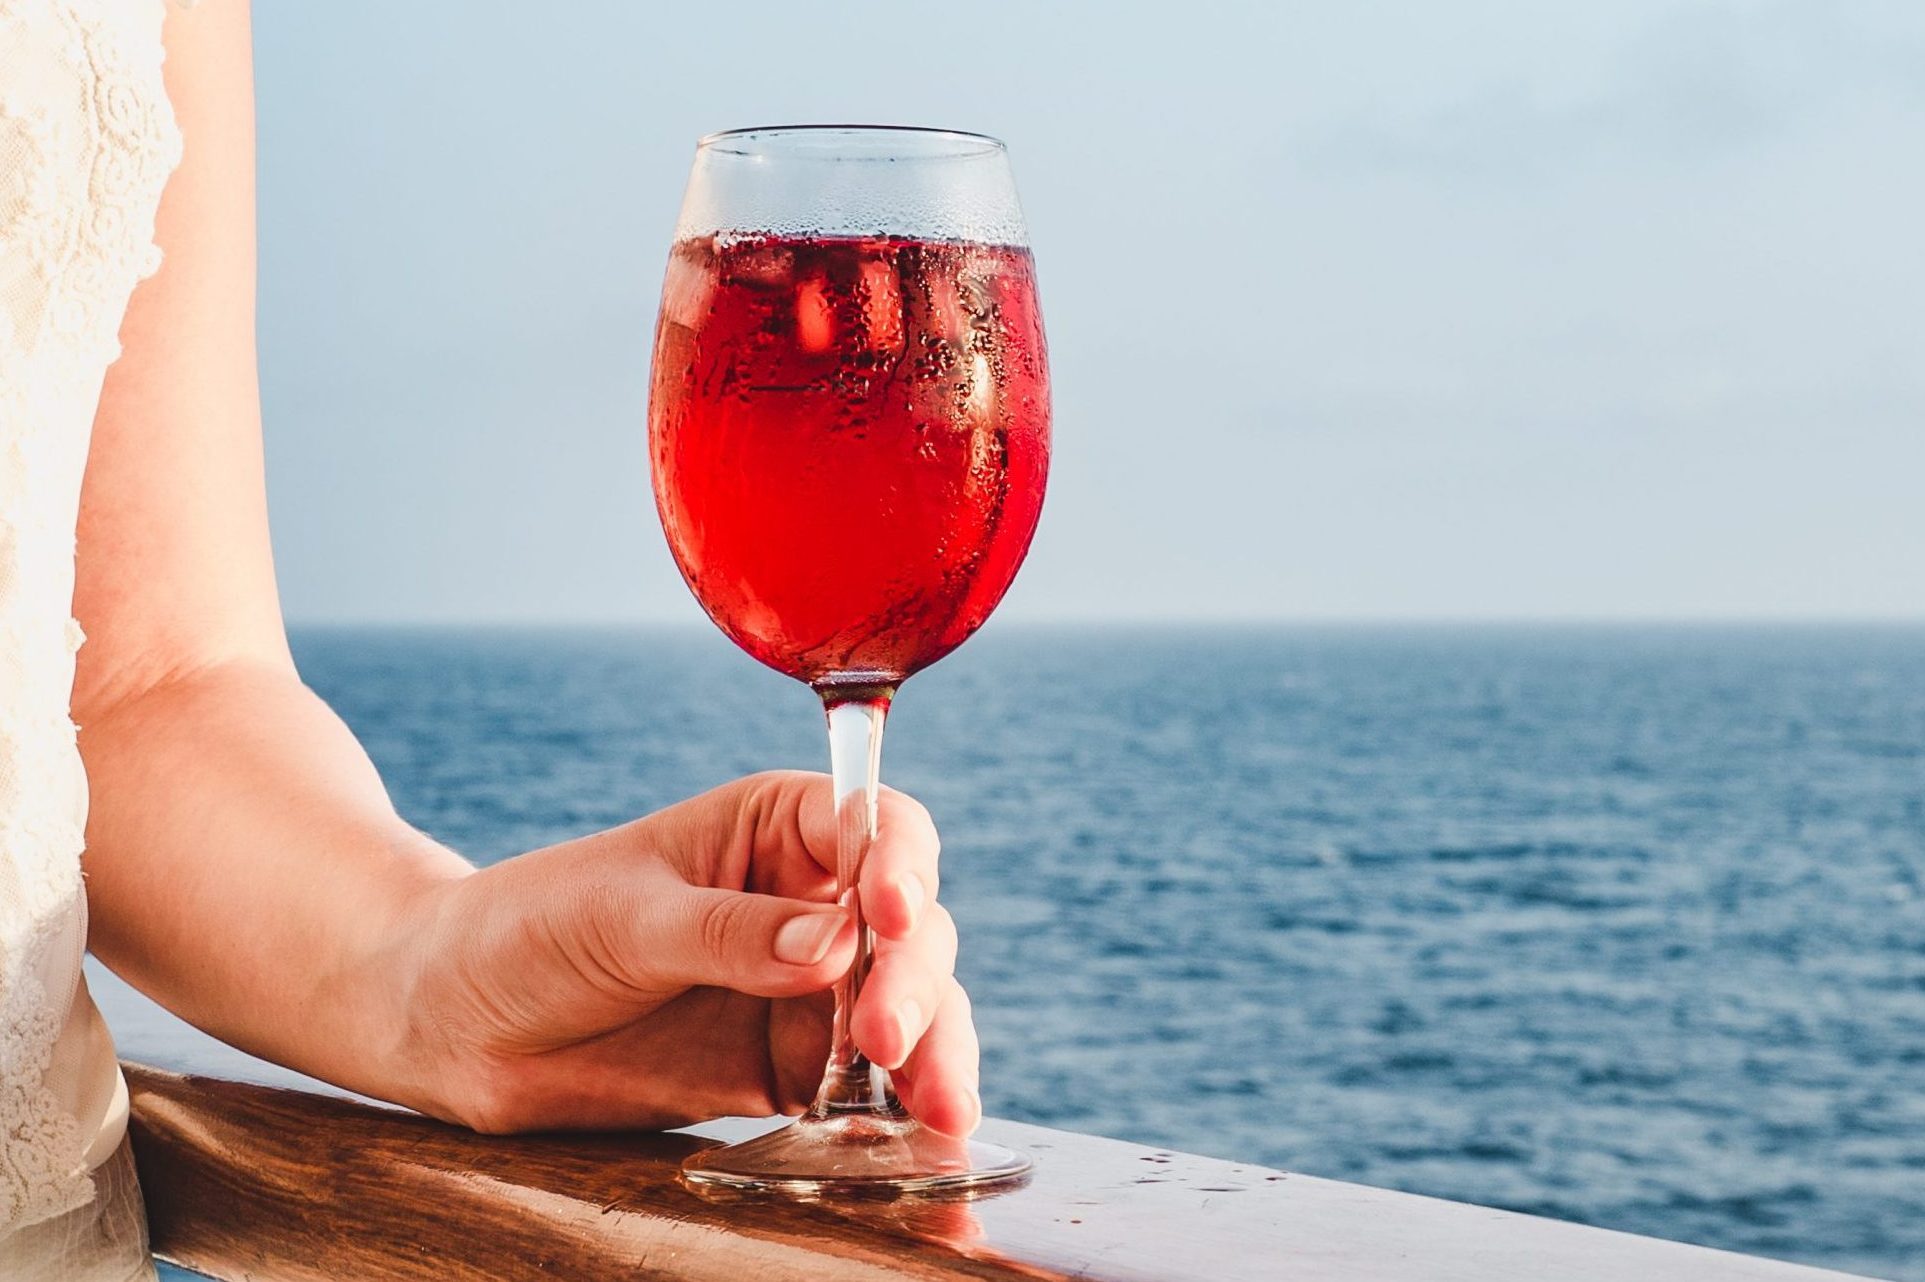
(904, 989)
(759, 833)
(792, 847)
(898, 881)
(939, 1082)
(761, 944)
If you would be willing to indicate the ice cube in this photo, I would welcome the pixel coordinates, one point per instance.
(759, 262)
(881, 305)
(947, 315)
(815, 325)
(687, 290)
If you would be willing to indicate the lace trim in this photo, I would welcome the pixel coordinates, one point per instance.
(41, 1170)
(87, 140)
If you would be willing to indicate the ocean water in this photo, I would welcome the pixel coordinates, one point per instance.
(1616, 925)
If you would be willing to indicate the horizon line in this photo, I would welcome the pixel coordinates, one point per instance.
(578, 623)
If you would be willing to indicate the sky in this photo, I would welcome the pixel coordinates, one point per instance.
(1356, 311)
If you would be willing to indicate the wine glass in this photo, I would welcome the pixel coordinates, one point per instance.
(849, 436)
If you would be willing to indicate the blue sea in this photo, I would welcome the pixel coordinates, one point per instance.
(1624, 926)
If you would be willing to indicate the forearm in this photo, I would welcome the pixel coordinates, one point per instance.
(244, 865)
(245, 868)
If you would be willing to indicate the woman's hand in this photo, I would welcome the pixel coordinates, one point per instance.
(677, 968)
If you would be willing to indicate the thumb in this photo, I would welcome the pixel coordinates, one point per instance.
(765, 945)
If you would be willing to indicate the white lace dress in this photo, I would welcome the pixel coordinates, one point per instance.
(86, 143)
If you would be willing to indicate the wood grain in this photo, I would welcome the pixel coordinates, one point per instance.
(271, 1185)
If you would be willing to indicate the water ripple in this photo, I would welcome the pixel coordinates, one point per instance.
(1619, 926)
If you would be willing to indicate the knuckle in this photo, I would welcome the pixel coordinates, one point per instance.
(719, 922)
(778, 783)
(958, 996)
(918, 815)
(784, 788)
(773, 801)
(942, 926)
(762, 796)
(909, 835)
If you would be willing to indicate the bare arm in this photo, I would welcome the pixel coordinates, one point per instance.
(233, 816)
(246, 868)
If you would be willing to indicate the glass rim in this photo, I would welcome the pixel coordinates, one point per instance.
(971, 144)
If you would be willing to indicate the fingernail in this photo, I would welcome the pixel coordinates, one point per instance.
(909, 1022)
(805, 940)
(914, 896)
(975, 1103)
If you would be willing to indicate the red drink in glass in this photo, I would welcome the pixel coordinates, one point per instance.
(849, 440)
(849, 435)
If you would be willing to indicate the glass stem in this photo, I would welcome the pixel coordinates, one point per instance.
(852, 1084)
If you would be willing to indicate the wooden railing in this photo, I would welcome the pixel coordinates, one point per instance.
(271, 1185)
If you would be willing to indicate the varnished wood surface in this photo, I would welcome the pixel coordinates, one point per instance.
(271, 1185)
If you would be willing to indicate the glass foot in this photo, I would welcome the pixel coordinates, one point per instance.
(854, 1153)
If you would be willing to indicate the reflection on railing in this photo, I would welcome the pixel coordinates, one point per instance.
(273, 1185)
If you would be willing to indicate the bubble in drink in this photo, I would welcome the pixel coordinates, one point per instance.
(849, 443)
